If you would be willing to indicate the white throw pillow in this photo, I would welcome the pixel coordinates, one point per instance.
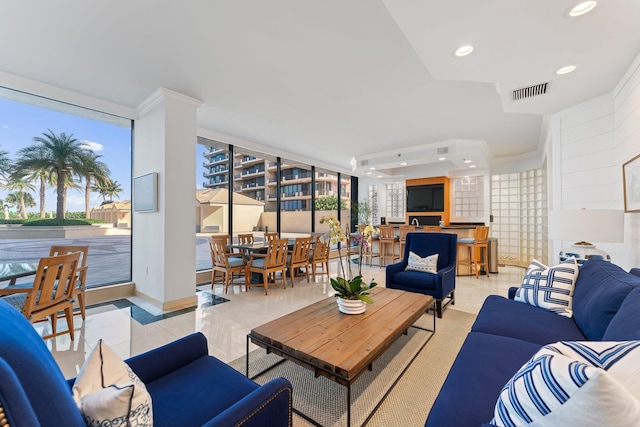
(621, 359)
(550, 288)
(108, 392)
(555, 389)
(427, 264)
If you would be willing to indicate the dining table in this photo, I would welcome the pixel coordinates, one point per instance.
(12, 271)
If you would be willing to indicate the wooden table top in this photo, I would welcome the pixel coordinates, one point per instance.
(337, 345)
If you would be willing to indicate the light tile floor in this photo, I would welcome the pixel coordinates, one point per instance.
(226, 325)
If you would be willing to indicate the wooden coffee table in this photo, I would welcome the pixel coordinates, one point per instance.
(341, 346)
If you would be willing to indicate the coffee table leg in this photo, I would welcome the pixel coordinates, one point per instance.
(349, 404)
(434, 317)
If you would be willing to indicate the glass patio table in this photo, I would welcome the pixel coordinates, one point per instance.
(12, 271)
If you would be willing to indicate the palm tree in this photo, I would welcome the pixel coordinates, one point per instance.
(5, 163)
(108, 190)
(42, 174)
(60, 155)
(93, 170)
(17, 183)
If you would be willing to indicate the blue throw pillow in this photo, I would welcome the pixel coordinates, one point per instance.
(625, 325)
(599, 293)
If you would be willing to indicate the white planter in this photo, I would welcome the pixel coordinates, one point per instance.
(351, 306)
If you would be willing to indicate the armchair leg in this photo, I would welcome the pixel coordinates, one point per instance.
(81, 303)
(439, 308)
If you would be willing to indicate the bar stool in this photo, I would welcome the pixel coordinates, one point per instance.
(404, 230)
(474, 247)
(387, 238)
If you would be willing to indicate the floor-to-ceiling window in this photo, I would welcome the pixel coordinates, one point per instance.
(44, 142)
(296, 203)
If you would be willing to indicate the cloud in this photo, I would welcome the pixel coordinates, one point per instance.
(5, 126)
(93, 146)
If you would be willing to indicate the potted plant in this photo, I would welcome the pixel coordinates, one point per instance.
(352, 292)
(353, 295)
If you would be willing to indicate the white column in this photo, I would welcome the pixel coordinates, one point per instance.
(163, 246)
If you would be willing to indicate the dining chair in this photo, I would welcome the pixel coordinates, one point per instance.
(81, 271)
(270, 263)
(298, 257)
(245, 239)
(388, 242)
(225, 263)
(320, 256)
(270, 236)
(52, 292)
(224, 239)
(476, 257)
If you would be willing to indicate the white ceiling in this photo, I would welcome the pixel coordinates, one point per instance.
(335, 79)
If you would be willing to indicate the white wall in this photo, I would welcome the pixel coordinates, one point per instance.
(587, 145)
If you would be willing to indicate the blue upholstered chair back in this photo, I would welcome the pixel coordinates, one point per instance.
(425, 244)
(31, 383)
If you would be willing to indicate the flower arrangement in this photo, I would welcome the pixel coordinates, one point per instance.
(346, 287)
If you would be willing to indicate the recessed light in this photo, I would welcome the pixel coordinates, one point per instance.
(467, 161)
(472, 166)
(582, 8)
(566, 69)
(368, 173)
(403, 164)
(379, 176)
(442, 158)
(372, 168)
(464, 50)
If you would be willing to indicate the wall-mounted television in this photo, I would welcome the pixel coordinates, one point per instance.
(425, 198)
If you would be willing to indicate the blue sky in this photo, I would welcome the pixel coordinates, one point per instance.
(20, 123)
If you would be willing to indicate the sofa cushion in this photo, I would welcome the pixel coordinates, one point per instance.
(109, 393)
(625, 325)
(502, 316)
(414, 280)
(197, 392)
(483, 365)
(428, 264)
(571, 385)
(36, 370)
(600, 290)
(550, 288)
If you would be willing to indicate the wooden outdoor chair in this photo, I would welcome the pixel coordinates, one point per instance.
(52, 292)
(320, 256)
(270, 263)
(271, 236)
(224, 239)
(81, 273)
(225, 263)
(299, 257)
(245, 239)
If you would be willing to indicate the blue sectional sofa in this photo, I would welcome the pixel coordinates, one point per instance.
(507, 333)
(187, 386)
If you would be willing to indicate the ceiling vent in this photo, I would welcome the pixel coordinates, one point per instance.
(531, 91)
(364, 162)
(443, 150)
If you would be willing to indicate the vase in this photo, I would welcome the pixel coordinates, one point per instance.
(351, 306)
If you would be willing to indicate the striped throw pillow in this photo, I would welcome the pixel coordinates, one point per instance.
(577, 388)
(550, 288)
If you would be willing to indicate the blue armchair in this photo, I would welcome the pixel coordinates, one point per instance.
(440, 285)
(187, 386)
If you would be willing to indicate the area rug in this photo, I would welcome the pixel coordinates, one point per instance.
(325, 401)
